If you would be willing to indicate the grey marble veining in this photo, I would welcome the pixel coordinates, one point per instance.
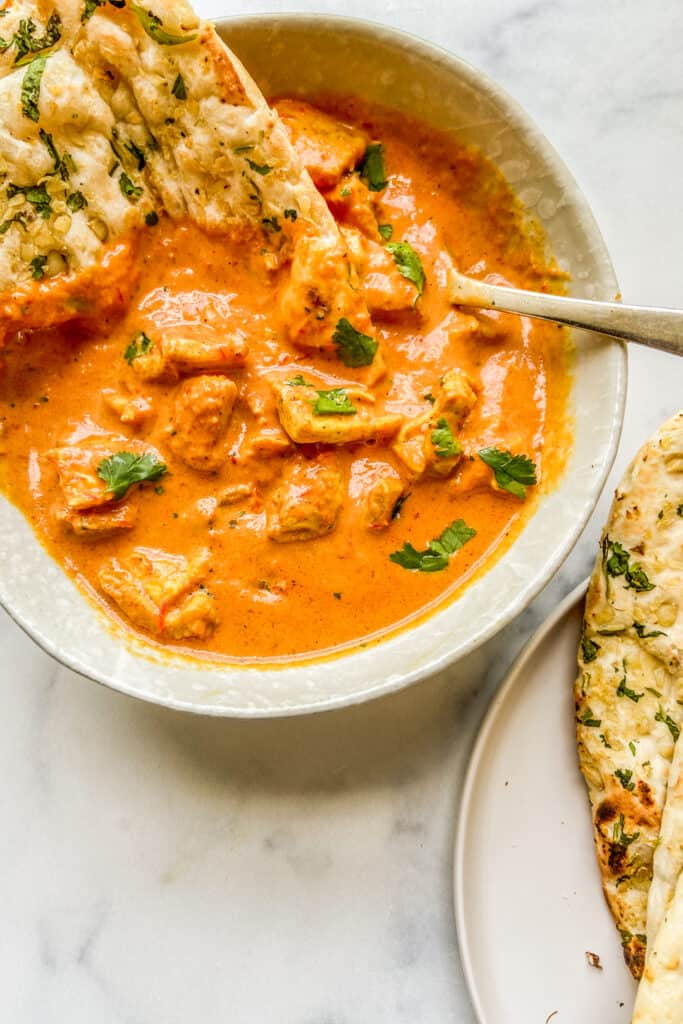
(156, 867)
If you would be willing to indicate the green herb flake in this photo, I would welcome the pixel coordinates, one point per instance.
(261, 169)
(30, 88)
(637, 579)
(63, 165)
(36, 195)
(153, 26)
(624, 691)
(409, 264)
(386, 231)
(589, 649)
(624, 775)
(179, 89)
(76, 201)
(151, 219)
(333, 403)
(130, 191)
(605, 742)
(298, 382)
(643, 633)
(139, 346)
(37, 266)
(291, 215)
(445, 444)
(28, 43)
(437, 553)
(615, 558)
(137, 154)
(429, 397)
(123, 469)
(353, 347)
(588, 719)
(672, 726)
(271, 224)
(632, 747)
(372, 167)
(514, 473)
(619, 836)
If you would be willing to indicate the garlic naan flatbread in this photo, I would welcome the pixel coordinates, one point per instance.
(114, 113)
(660, 993)
(631, 678)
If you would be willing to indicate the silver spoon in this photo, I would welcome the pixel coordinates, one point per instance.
(647, 325)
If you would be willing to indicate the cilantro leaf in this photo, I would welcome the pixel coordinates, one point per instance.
(179, 89)
(620, 837)
(624, 775)
(137, 154)
(291, 215)
(672, 726)
(589, 720)
(333, 403)
(616, 563)
(298, 382)
(386, 231)
(514, 473)
(153, 26)
(130, 191)
(353, 347)
(637, 579)
(36, 195)
(372, 167)
(445, 445)
(27, 42)
(437, 553)
(30, 88)
(76, 201)
(624, 691)
(139, 346)
(409, 263)
(641, 630)
(63, 165)
(261, 169)
(37, 266)
(589, 649)
(123, 469)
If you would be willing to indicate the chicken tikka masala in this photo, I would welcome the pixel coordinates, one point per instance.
(256, 451)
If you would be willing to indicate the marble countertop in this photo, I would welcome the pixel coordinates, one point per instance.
(157, 868)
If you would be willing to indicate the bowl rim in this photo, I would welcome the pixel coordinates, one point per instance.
(483, 83)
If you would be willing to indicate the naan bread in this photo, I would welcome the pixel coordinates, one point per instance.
(111, 114)
(660, 993)
(631, 677)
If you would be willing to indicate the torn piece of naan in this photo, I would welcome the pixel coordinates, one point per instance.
(668, 858)
(660, 993)
(631, 678)
(113, 114)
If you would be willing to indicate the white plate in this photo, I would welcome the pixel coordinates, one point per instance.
(528, 899)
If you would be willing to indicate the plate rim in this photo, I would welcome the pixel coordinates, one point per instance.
(511, 679)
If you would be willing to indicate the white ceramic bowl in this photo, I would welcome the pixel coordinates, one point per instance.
(306, 55)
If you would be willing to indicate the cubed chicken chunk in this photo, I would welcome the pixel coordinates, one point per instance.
(162, 593)
(296, 406)
(321, 289)
(93, 524)
(307, 501)
(326, 147)
(385, 289)
(77, 466)
(351, 203)
(428, 444)
(170, 357)
(375, 488)
(201, 414)
(132, 409)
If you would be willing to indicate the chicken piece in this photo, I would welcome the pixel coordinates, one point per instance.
(376, 487)
(169, 358)
(295, 406)
(385, 289)
(320, 289)
(201, 414)
(131, 409)
(428, 445)
(270, 441)
(351, 203)
(307, 501)
(235, 493)
(326, 147)
(92, 524)
(162, 593)
(77, 466)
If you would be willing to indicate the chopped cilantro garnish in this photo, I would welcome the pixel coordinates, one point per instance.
(299, 382)
(37, 266)
(152, 219)
(27, 42)
(353, 347)
(271, 224)
(672, 726)
(445, 444)
(123, 469)
(153, 26)
(372, 167)
(261, 169)
(179, 89)
(514, 473)
(36, 195)
(291, 215)
(333, 403)
(617, 562)
(76, 201)
(130, 191)
(624, 775)
(409, 263)
(588, 719)
(620, 837)
(63, 165)
(386, 231)
(642, 632)
(589, 649)
(137, 154)
(437, 553)
(624, 691)
(139, 346)
(30, 88)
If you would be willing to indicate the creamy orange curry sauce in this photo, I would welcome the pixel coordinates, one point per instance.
(218, 489)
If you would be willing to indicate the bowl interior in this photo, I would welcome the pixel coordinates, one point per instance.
(307, 55)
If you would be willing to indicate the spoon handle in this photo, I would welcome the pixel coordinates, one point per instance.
(647, 325)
